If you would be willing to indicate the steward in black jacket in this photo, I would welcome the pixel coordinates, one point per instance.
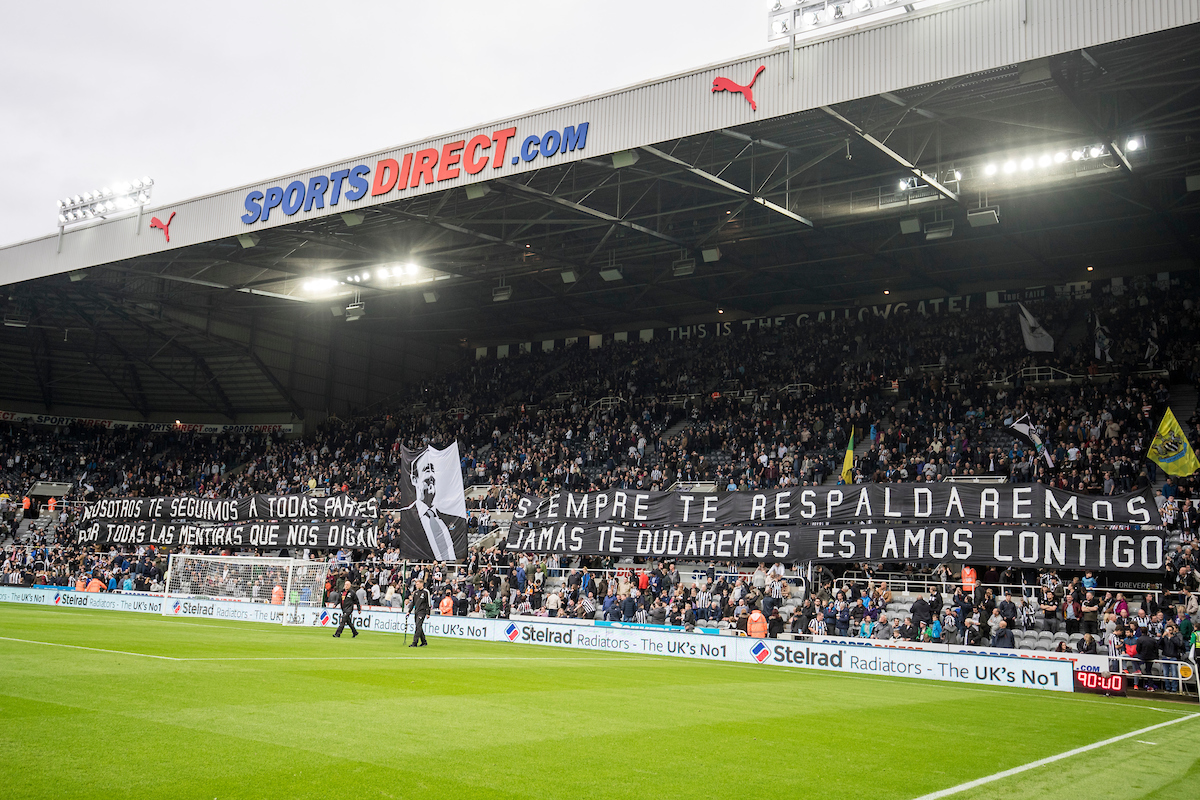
(349, 602)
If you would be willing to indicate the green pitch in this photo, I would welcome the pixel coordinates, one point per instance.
(239, 710)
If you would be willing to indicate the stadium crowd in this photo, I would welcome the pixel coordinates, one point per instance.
(924, 398)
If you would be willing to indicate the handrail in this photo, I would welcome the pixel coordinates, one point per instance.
(609, 402)
(1163, 679)
(1048, 373)
(899, 582)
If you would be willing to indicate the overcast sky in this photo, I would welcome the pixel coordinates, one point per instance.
(207, 96)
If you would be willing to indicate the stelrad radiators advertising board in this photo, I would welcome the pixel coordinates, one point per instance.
(847, 657)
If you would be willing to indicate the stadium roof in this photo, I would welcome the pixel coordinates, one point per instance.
(1076, 125)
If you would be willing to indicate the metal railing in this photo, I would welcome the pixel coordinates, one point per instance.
(1169, 672)
(908, 584)
(607, 403)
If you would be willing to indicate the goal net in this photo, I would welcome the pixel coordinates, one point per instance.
(288, 582)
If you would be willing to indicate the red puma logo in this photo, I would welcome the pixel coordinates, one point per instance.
(155, 222)
(726, 85)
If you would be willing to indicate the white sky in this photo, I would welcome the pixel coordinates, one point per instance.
(207, 96)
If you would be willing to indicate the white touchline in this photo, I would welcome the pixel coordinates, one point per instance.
(962, 787)
(410, 659)
(93, 649)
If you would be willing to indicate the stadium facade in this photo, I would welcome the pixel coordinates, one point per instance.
(866, 168)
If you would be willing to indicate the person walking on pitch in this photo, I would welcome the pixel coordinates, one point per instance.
(349, 603)
(420, 610)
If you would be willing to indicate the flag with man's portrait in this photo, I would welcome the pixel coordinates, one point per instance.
(433, 506)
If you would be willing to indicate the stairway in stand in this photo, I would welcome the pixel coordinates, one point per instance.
(1183, 403)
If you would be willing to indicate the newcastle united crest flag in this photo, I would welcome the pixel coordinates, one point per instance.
(433, 513)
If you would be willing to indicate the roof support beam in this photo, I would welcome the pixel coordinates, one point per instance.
(43, 360)
(296, 408)
(99, 331)
(138, 401)
(933, 182)
(209, 378)
(546, 197)
(284, 392)
(750, 196)
(1067, 80)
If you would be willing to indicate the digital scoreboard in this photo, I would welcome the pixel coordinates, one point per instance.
(1096, 683)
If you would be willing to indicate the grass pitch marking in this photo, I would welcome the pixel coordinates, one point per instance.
(1041, 762)
(550, 659)
(93, 649)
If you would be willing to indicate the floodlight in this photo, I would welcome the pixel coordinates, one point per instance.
(624, 158)
(101, 202)
(611, 274)
(711, 254)
(430, 297)
(989, 170)
(1045, 161)
(1027, 164)
(1060, 157)
(939, 230)
(477, 191)
(568, 276)
(355, 310)
(1096, 151)
(982, 217)
(683, 267)
(319, 285)
(501, 293)
(1010, 167)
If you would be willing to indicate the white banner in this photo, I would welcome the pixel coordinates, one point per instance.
(862, 657)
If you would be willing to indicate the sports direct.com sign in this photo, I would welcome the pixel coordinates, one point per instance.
(388, 177)
(858, 658)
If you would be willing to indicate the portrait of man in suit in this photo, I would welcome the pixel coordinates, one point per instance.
(436, 519)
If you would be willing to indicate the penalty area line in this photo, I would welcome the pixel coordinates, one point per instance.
(1041, 762)
(93, 649)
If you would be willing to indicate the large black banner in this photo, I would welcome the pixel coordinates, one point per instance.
(227, 510)
(1014, 546)
(433, 513)
(920, 503)
(267, 535)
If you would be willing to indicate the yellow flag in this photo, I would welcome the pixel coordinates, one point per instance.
(1171, 450)
(848, 463)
